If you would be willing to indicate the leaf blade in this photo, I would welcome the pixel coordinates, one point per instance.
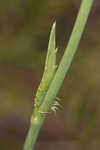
(49, 70)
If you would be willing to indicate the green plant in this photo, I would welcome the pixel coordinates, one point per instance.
(52, 77)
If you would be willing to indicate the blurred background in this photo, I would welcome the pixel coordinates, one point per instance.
(24, 33)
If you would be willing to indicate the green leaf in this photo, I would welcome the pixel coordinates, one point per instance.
(49, 70)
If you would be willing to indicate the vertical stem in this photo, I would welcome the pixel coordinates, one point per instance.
(35, 125)
(37, 121)
(69, 53)
(31, 137)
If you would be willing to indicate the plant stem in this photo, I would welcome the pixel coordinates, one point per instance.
(32, 136)
(35, 124)
(38, 118)
(68, 55)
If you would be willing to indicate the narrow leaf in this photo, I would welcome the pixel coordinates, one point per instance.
(49, 70)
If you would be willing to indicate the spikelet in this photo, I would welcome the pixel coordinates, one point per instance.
(49, 70)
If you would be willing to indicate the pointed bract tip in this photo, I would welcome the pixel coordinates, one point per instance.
(54, 24)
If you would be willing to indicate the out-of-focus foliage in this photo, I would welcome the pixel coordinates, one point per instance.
(24, 33)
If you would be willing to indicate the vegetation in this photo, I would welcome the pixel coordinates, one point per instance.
(52, 77)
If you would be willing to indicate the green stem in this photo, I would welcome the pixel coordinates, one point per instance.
(31, 137)
(68, 55)
(35, 125)
(37, 121)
